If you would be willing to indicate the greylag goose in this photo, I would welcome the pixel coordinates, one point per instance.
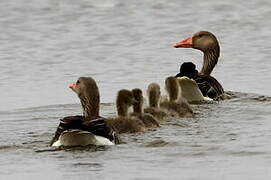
(147, 119)
(175, 103)
(124, 123)
(89, 129)
(154, 95)
(208, 44)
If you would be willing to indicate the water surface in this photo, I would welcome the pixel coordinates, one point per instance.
(47, 44)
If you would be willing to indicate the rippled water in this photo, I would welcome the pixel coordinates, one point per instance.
(46, 44)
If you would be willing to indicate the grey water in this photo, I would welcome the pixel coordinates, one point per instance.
(46, 44)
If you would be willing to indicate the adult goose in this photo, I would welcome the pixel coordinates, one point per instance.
(208, 44)
(89, 129)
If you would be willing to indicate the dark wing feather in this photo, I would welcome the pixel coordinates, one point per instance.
(97, 126)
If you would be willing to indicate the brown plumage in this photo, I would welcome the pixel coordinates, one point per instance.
(154, 109)
(175, 103)
(209, 45)
(124, 123)
(88, 93)
(147, 119)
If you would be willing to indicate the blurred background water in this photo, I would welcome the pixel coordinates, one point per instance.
(46, 44)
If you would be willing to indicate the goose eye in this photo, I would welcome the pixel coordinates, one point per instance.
(77, 82)
(200, 35)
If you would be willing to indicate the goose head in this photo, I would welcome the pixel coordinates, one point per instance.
(207, 43)
(154, 94)
(125, 99)
(202, 40)
(88, 93)
(138, 95)
(172, 88)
